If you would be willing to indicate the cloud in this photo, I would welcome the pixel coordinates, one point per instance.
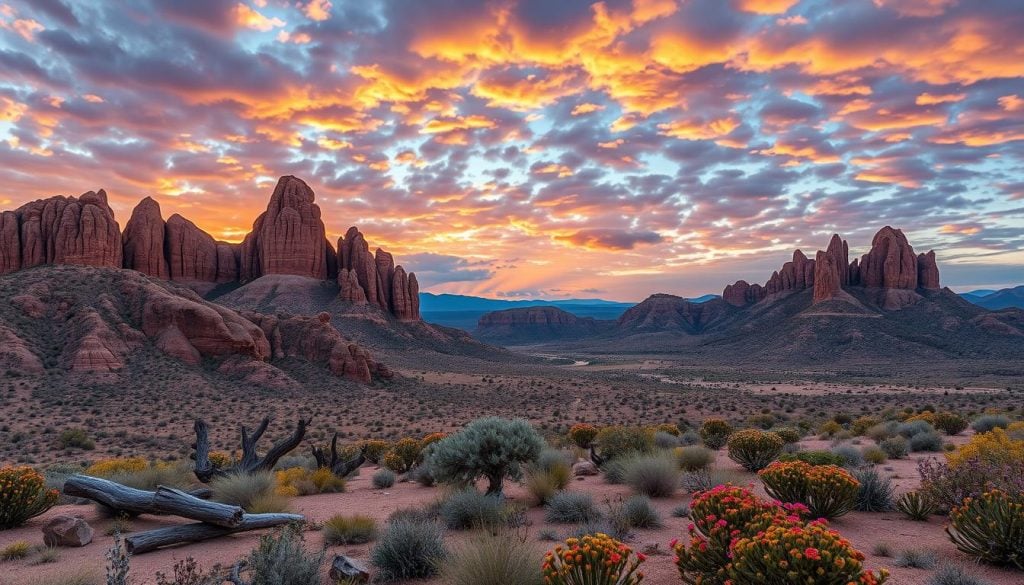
(610, 239)
(432, 269)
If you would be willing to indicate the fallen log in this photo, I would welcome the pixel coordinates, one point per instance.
(143, 542)
(164, 500)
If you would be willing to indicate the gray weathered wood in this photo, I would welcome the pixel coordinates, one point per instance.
(143, 542)
(250, 462)
(109, 493)
(171, 501)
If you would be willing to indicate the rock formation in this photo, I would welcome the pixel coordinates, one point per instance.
(831, 270)
(10, 243)
(191, 252)
(289, 237)
(143, 240)
(742, 293)
(927, 271)
(374, 278)
(66, 230)
(891, 262)
(663, 312)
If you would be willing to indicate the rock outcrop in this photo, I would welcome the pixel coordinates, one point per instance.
(10, 243)
(289, 237)
(795, 275)
(663, 312)
(891, 262)
(536, 324)
(928, 271)
(742, 293)
(66, 230)
(143, 240)
(191, 252)
(374, 278)
(831, 270)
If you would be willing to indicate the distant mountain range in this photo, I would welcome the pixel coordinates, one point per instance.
(464, 311)
(1007, 298)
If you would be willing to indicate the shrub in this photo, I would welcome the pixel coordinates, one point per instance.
(76, 438)
(681, 511)
(408, 550)
(403, 455)
(789, 435)
(754, 449)
(582, 435)
(542, 484)
(423, 475)
(882, 431)
(987, 422)
(23, 495)
(670, 428)
(814, 457)
(592, 560)
(383, 479)
(375, 449)
(494, 560)
(704, 480)
(875, 493)
(821, 557)
(947, 485)
(690, 437)
(302, 481)
(614, 471)
(990, 527)
(950, 423)
(176, 475)
(617, 441)
(863, 424)
(694, 457)
(874, 454)
(550, 459)
(915, 506)
(16, 550)
(243, 489)
(663, 440)
(188, 572)
(850, 455)
(109, 467)
(948, 574)
(356, 529)
(471, 509)
(656, 476)
(913, 558)
(895, 447)
(488, 447)
(571, 508)
(995, 447)
(914, 427)
(827, 491)
(715, 433)
(638, 512)
(929, 441)
(282, 559)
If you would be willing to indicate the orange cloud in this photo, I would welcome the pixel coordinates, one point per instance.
(250, 18)
(766, 6)
(586, 108)
(927, 99)
(449, 124)
(318, 10)
(698, 129)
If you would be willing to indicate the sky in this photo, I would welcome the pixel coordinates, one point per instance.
(530, 148)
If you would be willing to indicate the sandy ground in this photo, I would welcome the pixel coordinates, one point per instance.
(863, 529)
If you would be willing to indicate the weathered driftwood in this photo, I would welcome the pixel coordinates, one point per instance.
(339, 468)
(164, 500)
(598, 460)
(250, 462)
(142, 542)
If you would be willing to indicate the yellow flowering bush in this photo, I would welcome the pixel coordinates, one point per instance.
(23, 495)
(375, 449)
(994, 447)
(402, 456)
(714, 432)
(595, 559)
(754, 449)
(114, 466)
(828, 491)
(299, 481)
(990, 527)
(808, 553)
(582, 434)
(221, 459)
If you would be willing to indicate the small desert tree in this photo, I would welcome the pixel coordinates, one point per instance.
(489, 447)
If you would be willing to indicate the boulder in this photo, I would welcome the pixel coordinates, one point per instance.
(585, 468)
(348, 570)
(67, 531)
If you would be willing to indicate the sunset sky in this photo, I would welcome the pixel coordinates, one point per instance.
(536, 147)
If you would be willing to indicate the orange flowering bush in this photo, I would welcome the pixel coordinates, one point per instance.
(23, 495)
(990, 527)
(582, 434)
(720, 516)
(595, 559)
(299, 481)
(799, 553)
(828, 491)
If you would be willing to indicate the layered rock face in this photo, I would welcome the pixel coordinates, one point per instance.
(671, 313)
(890, 269)
(289, 237)
(374, 279)
(60, 230)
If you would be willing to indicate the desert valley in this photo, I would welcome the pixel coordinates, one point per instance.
(511, 292)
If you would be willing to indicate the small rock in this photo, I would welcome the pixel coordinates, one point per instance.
(67, 531)
(584, 468)
(348, 570)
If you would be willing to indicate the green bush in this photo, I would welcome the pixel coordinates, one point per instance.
(913, 558)
(544, 483)
(875, 493)
(990, 528)
(814, 457)
(571, 508)
(247, 490)
(850, 455)
(383, 479)
(23, 495)
(948, 574)
(694, 457)
(614, 471)
(789, 435)
(928, 441)
(987, 422)
(914, 427)
(715, 433)
(895, 447)
(916, 506)
(874, 454)
(618, 441)
(282, 559)
(76, 438)
(408, 549)
(494, 448)
(754, 449)
(656, 476)
(950, 423)
(470, 509)
(638, 512)
(356, 529)
(18, 549)
(494, 560)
